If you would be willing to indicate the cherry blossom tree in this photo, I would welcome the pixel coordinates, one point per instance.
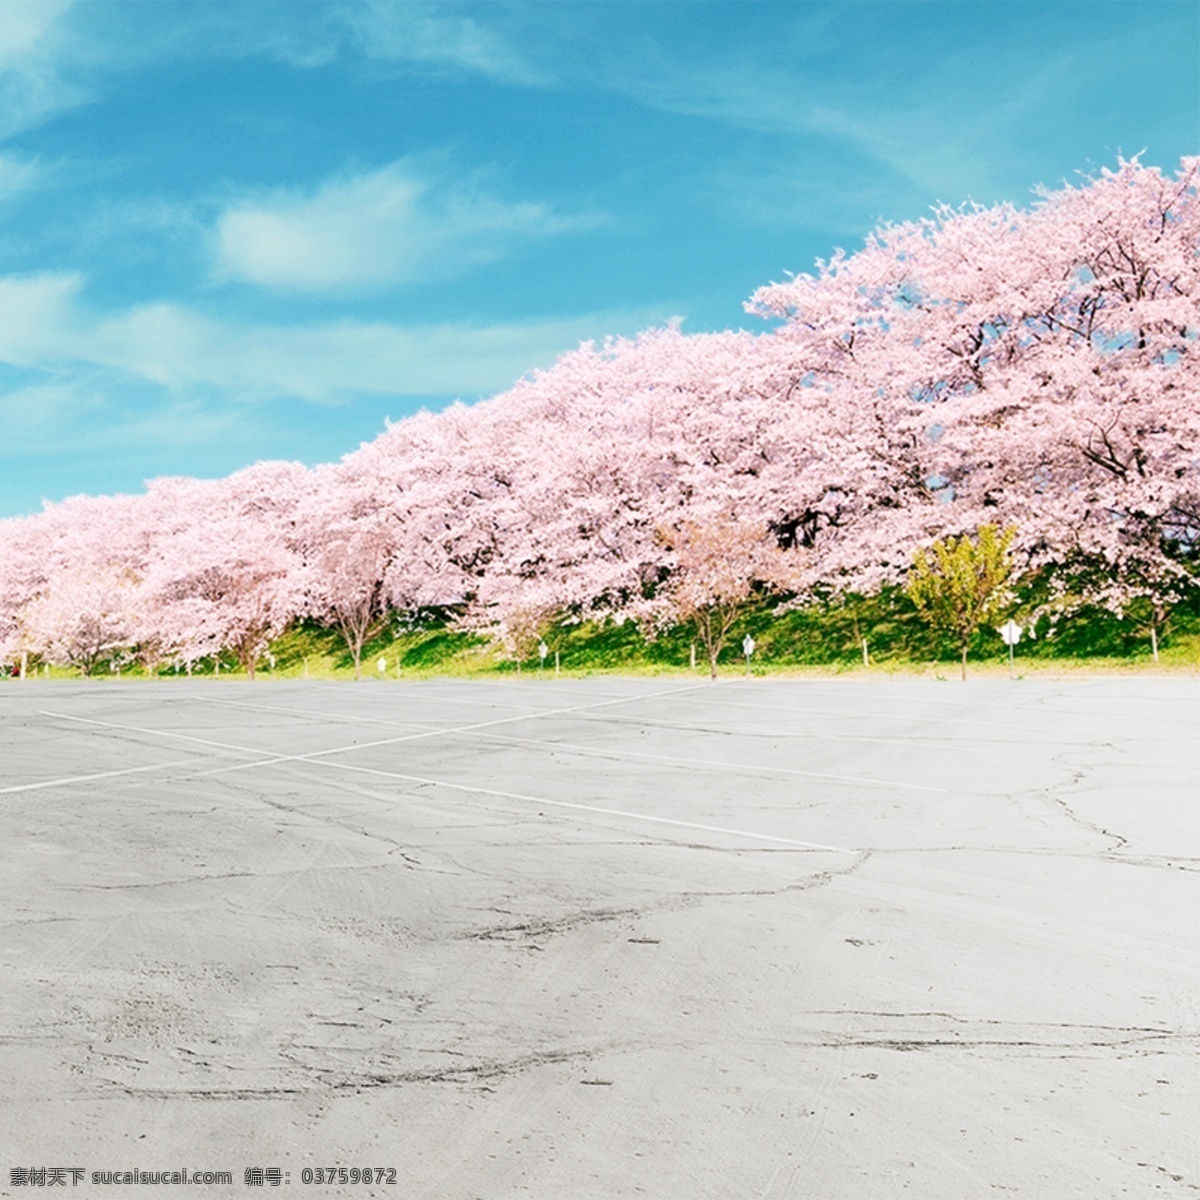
(720, 565)
(1032, 368)
(23, 577)
(226, 571)
(613, 444)
(1023, 367)
(83, 619)
(350, 539)
(69, 589)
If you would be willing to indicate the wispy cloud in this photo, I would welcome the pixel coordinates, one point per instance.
(436, 36)
(33, 40)
(920, 144)
(98, 401)
(39, 317)
(89, 415)
(965, 135)
(404, 224)
(26, 27)
(430, 36)
(46, 325)
(19, 175)
(35, 415)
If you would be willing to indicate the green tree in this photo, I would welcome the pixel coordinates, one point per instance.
(960, 584)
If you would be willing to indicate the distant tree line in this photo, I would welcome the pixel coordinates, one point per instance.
(999, 394)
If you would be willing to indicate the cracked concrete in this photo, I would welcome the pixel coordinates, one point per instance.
(827, 939)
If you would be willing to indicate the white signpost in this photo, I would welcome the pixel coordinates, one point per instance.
(543, 650)
(748, 644)
(1010, 631)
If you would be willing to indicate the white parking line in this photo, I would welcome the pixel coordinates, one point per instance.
(801, 735)
(591, 808)
(699, 763)
(315, 755)
(66, 779)
(324, 716)
(321, 757)
(614, 754)
(167, 733)
(271, 759)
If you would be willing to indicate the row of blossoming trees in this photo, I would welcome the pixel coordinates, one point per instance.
(1029, 369)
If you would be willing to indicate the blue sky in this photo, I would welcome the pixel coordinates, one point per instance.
(241, 230)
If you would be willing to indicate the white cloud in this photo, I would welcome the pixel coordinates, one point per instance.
(399, 225)
(35, 415)
(89, 433)
(927, 145)
(44, 325)
(38, 318)
(325, 363)
(32, 42)
(435, 36)
(18, 175)
(25, 26)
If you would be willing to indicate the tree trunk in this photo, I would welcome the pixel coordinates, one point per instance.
(354, 634)
(866, 654)
(964, 662)
(712, 662)
(1154, 641)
